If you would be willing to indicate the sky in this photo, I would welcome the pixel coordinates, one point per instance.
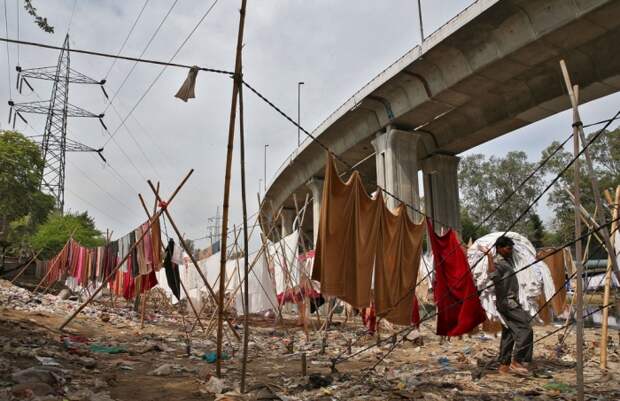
(334, 47)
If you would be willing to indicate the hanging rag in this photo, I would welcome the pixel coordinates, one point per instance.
(187, 89)
(172, 271)
(455, 293)
(347, 238)
(396, 264)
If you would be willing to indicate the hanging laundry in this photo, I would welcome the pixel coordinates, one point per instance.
(284, 259)
(347, 238)
(557, 267)
(187, 89)
(396, 265)
(455, 294)
(172, 270)
(261, 291)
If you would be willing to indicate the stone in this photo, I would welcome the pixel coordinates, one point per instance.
(27, 390)
(42, 374)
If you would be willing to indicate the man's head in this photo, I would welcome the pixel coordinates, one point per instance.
(504, 246)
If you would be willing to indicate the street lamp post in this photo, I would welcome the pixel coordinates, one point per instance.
(299, 113)
(265, 168)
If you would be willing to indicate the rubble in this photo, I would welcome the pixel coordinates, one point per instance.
(117, 360)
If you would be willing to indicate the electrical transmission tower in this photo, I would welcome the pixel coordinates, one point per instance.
(54, 141)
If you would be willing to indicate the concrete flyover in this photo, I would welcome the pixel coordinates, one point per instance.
(490, 70)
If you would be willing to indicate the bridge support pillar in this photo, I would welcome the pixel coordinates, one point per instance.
(441, 190)
(287, 216)
(316, 187)
(397, 167)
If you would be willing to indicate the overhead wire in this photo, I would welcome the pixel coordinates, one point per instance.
(165, 67)
(8, 53)
(133, 26)
(71, 18)
(17, 8)
(148, 44)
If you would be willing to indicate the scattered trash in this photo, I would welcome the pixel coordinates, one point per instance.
(104, 349)
(215, 385)
(316, 380)
(559, 387)
(211, 357)
(47, 361)
(164, 370)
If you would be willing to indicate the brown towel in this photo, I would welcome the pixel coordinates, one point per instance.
(187, 89)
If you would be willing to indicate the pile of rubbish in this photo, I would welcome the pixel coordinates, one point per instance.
(106, 356)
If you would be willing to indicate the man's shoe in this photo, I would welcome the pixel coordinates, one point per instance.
(516, 367)
(503, 369)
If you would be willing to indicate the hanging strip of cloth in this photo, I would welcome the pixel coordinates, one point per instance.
(347, 238)
(396, 266)
(172, 271)
(456, 296)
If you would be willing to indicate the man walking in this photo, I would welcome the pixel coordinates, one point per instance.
(516, 346)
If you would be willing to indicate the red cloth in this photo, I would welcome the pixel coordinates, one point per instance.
(456, 297)
(369, 318)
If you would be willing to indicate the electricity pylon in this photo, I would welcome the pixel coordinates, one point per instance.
(54, 141)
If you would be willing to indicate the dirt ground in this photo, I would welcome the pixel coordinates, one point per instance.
(104, 355)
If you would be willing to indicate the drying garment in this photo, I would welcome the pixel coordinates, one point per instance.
(133, 263)
(557, 267)
(284, 260)
(262, 293)
(147, 246)
(156, 244)
(187, 89)
(369, 318)
(455, 294)
(347, 239)
(534, 277)
(397, 263)
(173, 278)
(177, 255)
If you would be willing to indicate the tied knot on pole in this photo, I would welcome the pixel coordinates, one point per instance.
(187, 89)
(163, 204)
(577, 124)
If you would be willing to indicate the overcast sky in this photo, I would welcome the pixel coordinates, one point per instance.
(335, 47)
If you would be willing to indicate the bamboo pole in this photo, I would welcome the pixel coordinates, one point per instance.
(118, 265)
(229, 153)
(246, 272)
(23, 269)
(191, 257)
(604, 327)
(573, 93)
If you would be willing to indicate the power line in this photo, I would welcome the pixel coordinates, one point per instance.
(72, 14)
(133, 26)
(8, 54)
(148, 44)
(148, 89)
(109, 55)
(17, 8)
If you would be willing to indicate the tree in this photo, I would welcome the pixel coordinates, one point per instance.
(52, 235)
(469, 229)
(40, 21)
(605, 155)
(485, 184)
(536, 230)
(22, 205)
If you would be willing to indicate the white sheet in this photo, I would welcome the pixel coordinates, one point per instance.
(533, 281)
(284, 258)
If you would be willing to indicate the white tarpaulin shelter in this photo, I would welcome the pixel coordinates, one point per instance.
(284, 257)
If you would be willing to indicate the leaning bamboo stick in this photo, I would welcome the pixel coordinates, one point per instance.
(118, 265)
(610, 256)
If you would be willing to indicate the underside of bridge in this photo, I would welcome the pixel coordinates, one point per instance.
(492, 69)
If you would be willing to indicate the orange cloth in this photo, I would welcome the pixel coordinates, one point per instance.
(396, 265)
(156, 244)
(558, 273)
(357, 233)
(347, 239)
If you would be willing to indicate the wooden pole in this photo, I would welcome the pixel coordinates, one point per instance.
(604, 327)
(246, 271)
(191, 257)
(23, 269)
(574, 98)
(118, 265)
(229, 153)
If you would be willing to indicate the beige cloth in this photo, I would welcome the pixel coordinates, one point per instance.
(187, 89)
(357, 233)
(555, 263)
